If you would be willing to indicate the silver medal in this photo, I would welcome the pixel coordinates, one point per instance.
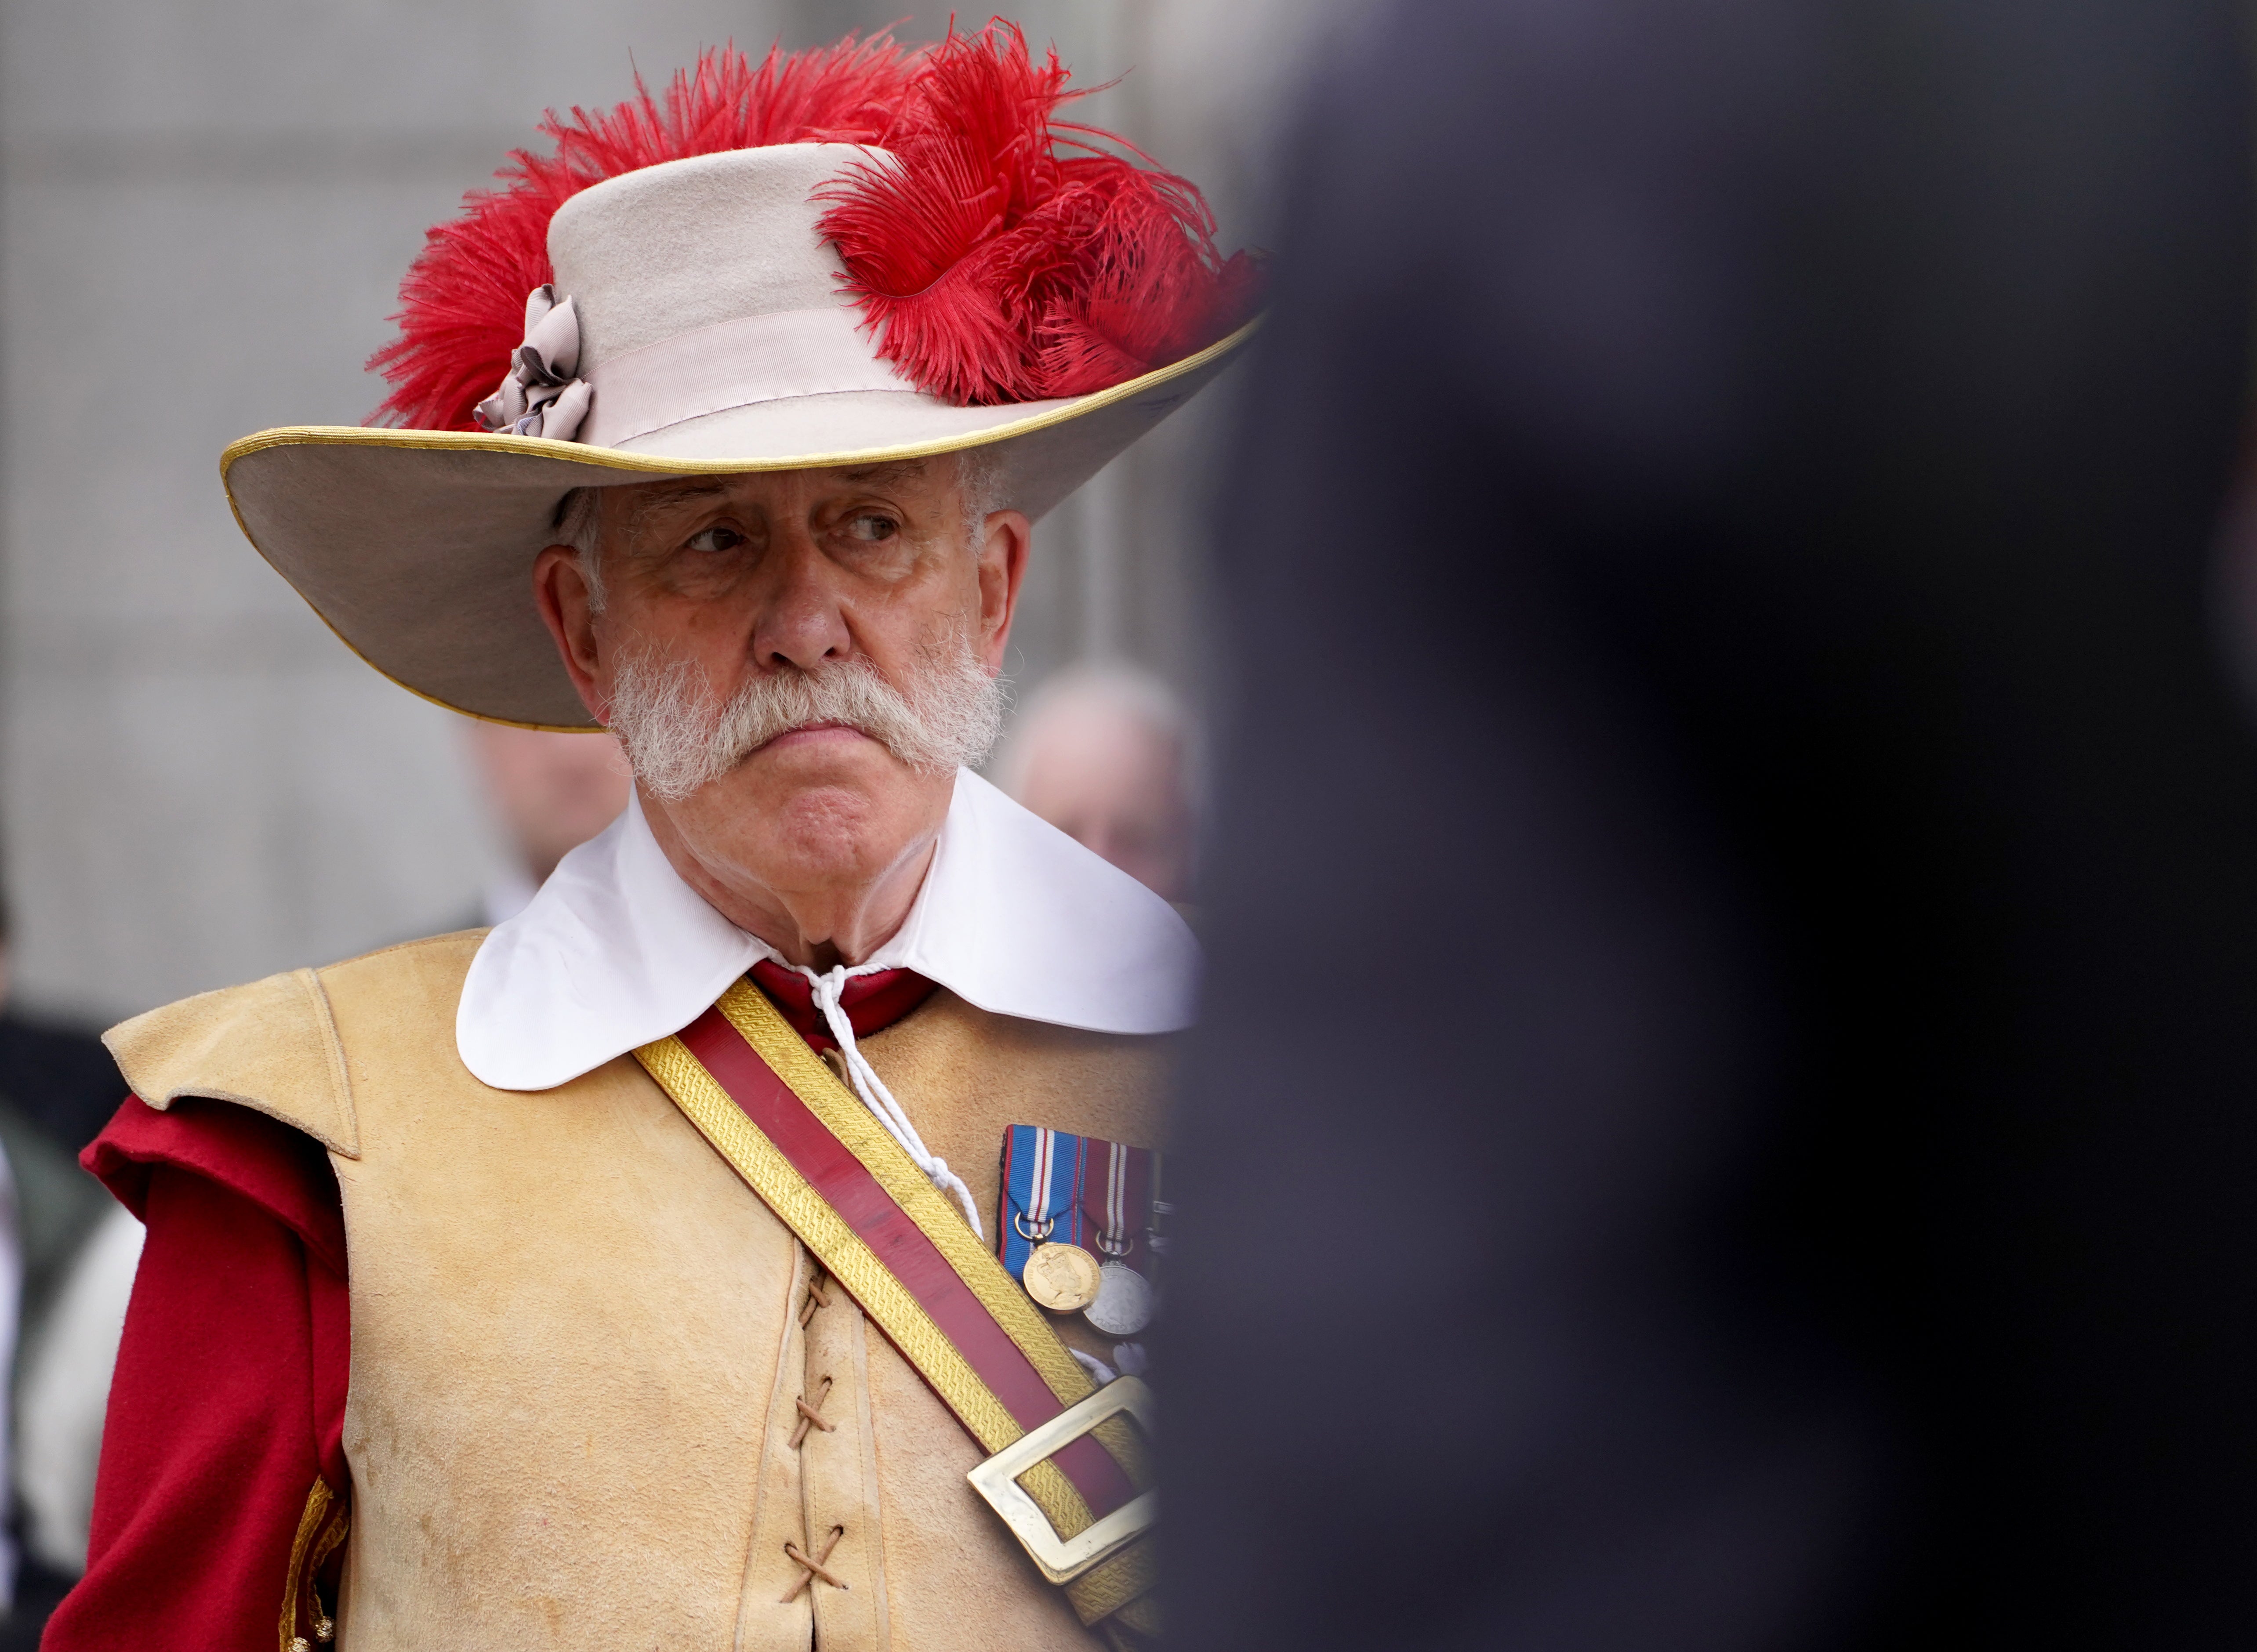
(1124, 1300)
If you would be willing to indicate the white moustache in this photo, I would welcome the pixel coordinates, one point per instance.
(679, 737)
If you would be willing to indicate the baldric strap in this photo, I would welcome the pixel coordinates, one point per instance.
(812, 1153)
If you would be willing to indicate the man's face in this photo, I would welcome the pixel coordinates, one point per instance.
(726, 600)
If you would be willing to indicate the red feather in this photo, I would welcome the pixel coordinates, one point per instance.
(462, 306)
(1001, 254)
(1004, 256)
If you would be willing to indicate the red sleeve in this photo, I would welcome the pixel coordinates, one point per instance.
(229, 1396)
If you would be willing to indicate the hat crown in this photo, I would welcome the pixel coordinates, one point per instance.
(664, 250)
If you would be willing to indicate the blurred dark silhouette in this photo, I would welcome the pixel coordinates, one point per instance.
(58, 1088)
(1726, 1109)
(53, 1075)
(68, 1086)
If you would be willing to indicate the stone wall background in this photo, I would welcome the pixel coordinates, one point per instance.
(204, 213)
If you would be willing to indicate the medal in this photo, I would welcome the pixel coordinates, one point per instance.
(1064, 1278)
(1079, 1226)
(1123, 1305)
(1058, 1272)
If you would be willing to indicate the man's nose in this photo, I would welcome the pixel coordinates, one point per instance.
(800, 621)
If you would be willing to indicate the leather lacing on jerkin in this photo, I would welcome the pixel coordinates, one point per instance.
(817, 1565)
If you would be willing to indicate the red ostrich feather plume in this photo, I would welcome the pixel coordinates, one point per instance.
(462, 306)
(1003, 255)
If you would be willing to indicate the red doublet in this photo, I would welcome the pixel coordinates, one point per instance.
(230, 1393)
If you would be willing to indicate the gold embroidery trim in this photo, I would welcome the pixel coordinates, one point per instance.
(842, 1113)
(851, 1261)
(838, 1247)
(317, 1538)
(1115, 1583)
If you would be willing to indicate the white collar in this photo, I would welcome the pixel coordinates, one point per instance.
(1014, 916)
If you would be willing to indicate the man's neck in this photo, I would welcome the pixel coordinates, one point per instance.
(825, 924)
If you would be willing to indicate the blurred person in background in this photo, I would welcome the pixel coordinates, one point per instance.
(72, 1328)
(1103, 753)
(1734, 1127)
(518, 1289)
(11, 1296)
(550, 792)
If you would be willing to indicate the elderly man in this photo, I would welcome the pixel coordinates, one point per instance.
(727, 1251)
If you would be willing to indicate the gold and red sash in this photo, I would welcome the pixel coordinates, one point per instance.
(813, 1153)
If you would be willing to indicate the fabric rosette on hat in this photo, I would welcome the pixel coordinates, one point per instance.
(830, 258)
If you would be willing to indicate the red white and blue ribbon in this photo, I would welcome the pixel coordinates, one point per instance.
(1061, 1189)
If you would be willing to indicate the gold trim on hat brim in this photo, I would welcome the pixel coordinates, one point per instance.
(659, 464)
(579, 456)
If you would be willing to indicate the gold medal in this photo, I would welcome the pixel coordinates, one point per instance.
(1061, 1277)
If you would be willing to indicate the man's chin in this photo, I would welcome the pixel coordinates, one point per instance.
(811, 808)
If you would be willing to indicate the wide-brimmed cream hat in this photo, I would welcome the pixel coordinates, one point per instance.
(698, 324)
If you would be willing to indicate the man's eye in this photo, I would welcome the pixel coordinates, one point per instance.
(872, 528)
(715, 539)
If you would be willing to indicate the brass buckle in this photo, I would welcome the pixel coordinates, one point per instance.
(1063, 1559)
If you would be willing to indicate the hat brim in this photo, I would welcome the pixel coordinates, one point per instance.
(416, 547)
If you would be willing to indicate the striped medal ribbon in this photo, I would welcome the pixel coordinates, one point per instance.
(1057, 1271)
(1124, 1301)
(1066, 1197)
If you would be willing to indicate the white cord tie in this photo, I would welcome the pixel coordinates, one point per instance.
(879, 1100)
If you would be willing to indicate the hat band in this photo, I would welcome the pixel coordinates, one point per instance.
(735, 363)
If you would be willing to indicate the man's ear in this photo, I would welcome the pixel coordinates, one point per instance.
(560, 591)
(1005, 538)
